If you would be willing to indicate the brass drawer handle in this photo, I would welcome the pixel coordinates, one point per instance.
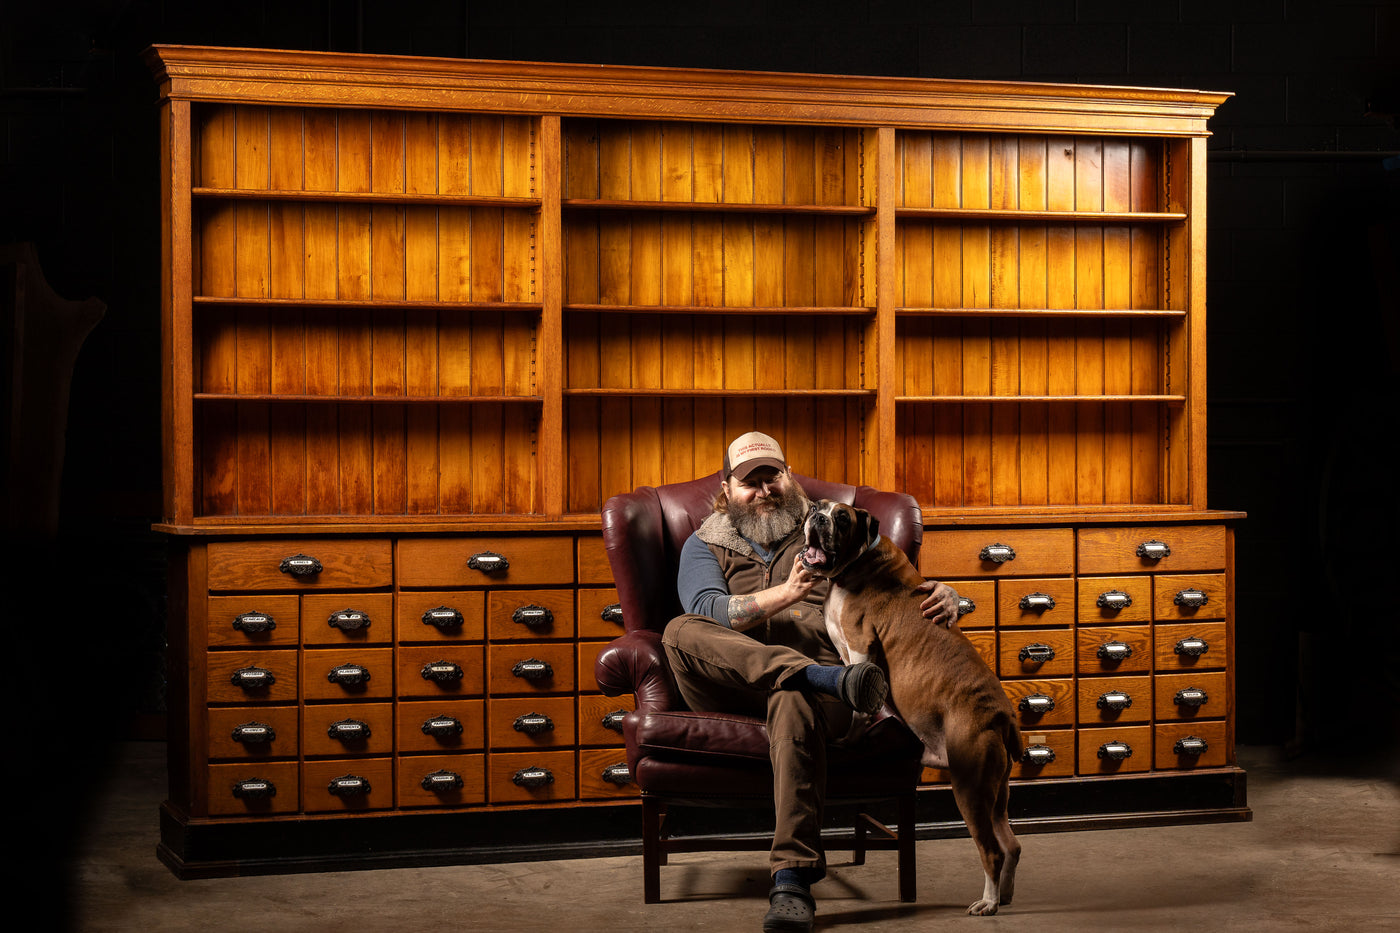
(1115, 700)
(253, 678)
(349, 785)
(1114, 651)
(612, 613)
(489, 562)
(1191, 599)
(300, 565)
(254, 789)
(532, 669)
(348, 620)
(442, 726)
(1038, 652)
(254, 733)
(1115, 751)
(1036, 703)
(349, 730)
(1038, 755)
(443, 618)
(1191, 696)
(254, 622)
(1190, 745)
(442, 781)
(996, 553)
(618, 774)
(1114, 600)
(533, 724)
(965, 606)
(1037, 602)
(1192, 647)
(532, 617)
(442, 672)
(533, 777)
(349, 675)
(1153, 550)
(613, 721)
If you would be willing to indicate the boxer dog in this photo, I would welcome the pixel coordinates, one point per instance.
(939, 685)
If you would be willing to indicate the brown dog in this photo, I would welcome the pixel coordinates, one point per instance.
(939, 684)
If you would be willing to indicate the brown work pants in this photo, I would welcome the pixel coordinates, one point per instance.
(720, 670)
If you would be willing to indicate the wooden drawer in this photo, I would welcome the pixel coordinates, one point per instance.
(979, 598)
(1101, 600)
(588, 652)
(1170, 756)
(531, 777)
(265, 676)
(1021, 651)
(528, 561)
(266, 731)
(442, 671)
(531, 722)
(427, 725)
(1094, 758)
(603, 774)
(266, 787)
(347, 619)
(343, 730)
(1097, 696)
(442, 780)
(985, 641)
(346, 563)
(432, 616)
(1034, 710)
(1035, 602)
(599, 614)
(529, 615)
(1105, 649)
(946, 555)
(1176, 597)
(1058, 763)
(1115, 550)
(348, 674)
(530, 669)
(600, 718)
(1174, 646)
(1203, 695)
(348, 786)
(254, 621)
(593, 565)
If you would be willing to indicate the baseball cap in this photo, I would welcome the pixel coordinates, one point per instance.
(750, 451)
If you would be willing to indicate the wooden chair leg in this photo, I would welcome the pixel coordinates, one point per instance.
(652, 814)
(908, 871)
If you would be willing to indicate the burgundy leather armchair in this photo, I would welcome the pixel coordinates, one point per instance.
(680, 757)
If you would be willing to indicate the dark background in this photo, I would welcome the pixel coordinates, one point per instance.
(1303, 236)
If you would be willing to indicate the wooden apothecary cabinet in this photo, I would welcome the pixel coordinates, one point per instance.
(422, 317)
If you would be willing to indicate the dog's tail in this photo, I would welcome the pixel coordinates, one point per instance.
(1010, 734)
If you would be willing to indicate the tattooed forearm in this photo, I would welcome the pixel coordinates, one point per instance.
(744, 612)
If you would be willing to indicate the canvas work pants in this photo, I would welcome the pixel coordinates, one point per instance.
(720, 670)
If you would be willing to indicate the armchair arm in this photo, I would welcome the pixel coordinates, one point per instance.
(636, 663)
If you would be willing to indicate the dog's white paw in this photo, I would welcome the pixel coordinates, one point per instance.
(983, 908)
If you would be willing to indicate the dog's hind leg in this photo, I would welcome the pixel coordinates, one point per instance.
(1007, 842)
(978, 771)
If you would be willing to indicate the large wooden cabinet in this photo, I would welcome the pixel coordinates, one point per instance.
(422, 317)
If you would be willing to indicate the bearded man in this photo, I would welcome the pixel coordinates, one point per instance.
(753, 641)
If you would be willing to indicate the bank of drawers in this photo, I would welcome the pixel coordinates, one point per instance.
(373, 674)
(1111, 642)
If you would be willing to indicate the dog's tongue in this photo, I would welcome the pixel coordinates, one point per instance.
(814, 556)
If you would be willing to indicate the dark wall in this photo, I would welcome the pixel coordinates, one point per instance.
(1302, 266)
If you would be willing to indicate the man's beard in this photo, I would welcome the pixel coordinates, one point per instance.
(771, 520)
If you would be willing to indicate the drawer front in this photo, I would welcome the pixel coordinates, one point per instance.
(441, 616)
(253, 733)
(977, 599)
(1099, 750)
(348, 674)
(599, 614)
(442, 780)
(1104, 700)
(1036, 763)
(523, 561)
(347, 619)
(530, 669)
(588, 652)
(603, 774)
(268, 676)
(442, 671)
(1116, 550)
(441, 725)
(1042, 704)
(253, 788)
(985, 641)
(1105, 649)
(600, 718)
(1024, 552)
(1115, 600)
(531, 777)
(530, 615)
(531, 722)
(593, 565)
(1035, 602)
(343, 730)
(1195, 647)
(1192, 696)
(254, 621)
(1182, 597)
(1190, 754)
(347, 786)
(1041, 653)
(345, 563)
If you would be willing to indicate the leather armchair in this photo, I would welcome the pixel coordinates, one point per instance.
(680, 757)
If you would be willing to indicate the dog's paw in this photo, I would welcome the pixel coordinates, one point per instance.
(983, 908)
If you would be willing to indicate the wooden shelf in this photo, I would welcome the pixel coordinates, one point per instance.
(723, 393)
(1039, 312)
(983, 215)
(720, 309)
(278, 398)
(364, 197)
(1020, 399)
(730, 207)
(217, 301)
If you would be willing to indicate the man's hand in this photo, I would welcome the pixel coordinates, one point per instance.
(941, 606)
(747, 611)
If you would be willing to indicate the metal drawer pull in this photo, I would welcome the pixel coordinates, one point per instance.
(618, 774)
(1037, 652)
(443, 618)
(533, 723)
(253, 678)
(349, 675)
(1191, 696)
(348, 620)
(613, 721)
(253, 622)
(441, 726)
(489, 562)
(533, 777)
(965, 606)
(532, 616)
(1114, 651)
(1153, 550)
(300, 565)
(1114, 600)
(349, 785)
(1190, 745)
(1192, 647)
(349, 730)
(1115, 751)
(612, 613)
(254, 733)
(442, 672)
(532, 669)
(1036, 703)
(997, 553)
(441, 781)
(1191, 599)
(1115, 700)
(254, 789)
(1037, 602)
(1038, 755)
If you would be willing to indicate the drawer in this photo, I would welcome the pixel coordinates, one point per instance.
(507, 561)
(1111, 649)
(599, 614)
(267, 676)
(347, 729)
(603, 774)
(441, 725)
(1040, 704)
(1115, 600)
(1035, 602)
(600, 718)
(442, 780)
(250, 788)
(345, 563)
(348, 674)
(985, 641)
(531, 777)
(347, 786)
(1100, 750)
(442, 671)
(530, 669)
(531, 722)
(1037, 762)
(997, 552)
(1044, 653)
(1115, 550)
(1104, 700)
(593, 564)
(347, 619)
(254, 621)
(1199, 646)
(1180, 597)
(1192, 696)
(588, 652)
(529, 615)
(1202, 745)
(441, 616)
(977, 600)
(253, 733)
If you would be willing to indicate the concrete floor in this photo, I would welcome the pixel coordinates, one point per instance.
(1323, 853)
